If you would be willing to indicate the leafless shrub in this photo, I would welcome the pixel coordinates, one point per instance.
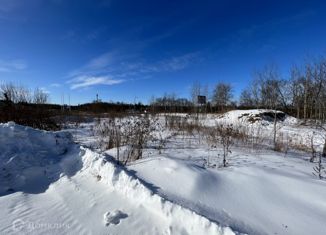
(192, 127)
(159, 136)
(133, 133)
(282, 143)
(137, 132)
(319, 169)
(7, 92)
(109, 133)
(18, 93)
(279, 146)
(40, 96)
(224, 135)
(173, 122)
(241, 134)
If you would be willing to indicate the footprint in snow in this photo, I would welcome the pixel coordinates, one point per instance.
(114, 217)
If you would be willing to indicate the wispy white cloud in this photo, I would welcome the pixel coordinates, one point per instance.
(98, 65)
(121, 65)
(114, 68)
(12, 65)
(88, 81)
(128, 62)
(177, 62)
(101, 61)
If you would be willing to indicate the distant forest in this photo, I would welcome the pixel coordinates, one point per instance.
(302, 94)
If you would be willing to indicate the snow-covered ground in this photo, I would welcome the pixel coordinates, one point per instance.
(264, 193)
(77, 191)
(50, 185)
(259, 122)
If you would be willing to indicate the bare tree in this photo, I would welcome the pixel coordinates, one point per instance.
(8, 92)
(271, 95)
(297, 90)
(222, 134)
(226, 134)
(222, 95)
(15, 94)
(195, 91)
(308, 90)
(246, 98)
(40, 97)
(198, 90)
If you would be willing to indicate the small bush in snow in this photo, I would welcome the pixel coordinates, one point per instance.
(109, 134)
(133, 133)
(319, 169)
(138, 132)
(224, 135)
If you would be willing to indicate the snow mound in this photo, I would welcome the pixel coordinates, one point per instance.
(181, 220)
(114, 217)
(26, 155)
(265, 194)
(261, 116)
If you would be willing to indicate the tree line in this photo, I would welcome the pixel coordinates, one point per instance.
(21, 105)
(301, 93)
(20, 94)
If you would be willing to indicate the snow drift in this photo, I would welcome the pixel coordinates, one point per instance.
(181, 219)
(258, 194)
(31, 159)
(260, 116)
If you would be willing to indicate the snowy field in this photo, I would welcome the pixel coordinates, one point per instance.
(62, 183)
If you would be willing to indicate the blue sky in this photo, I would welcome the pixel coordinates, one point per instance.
(132, 50)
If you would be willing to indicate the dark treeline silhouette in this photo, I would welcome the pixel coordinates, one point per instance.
(29, 114)
(49, 116)
(24, 107)
(302, 94)
(109, 107)
(169, 104)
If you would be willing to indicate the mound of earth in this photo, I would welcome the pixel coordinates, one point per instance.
(263, 116)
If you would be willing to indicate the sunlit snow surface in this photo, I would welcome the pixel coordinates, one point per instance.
(80, 192)
(49, 185)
